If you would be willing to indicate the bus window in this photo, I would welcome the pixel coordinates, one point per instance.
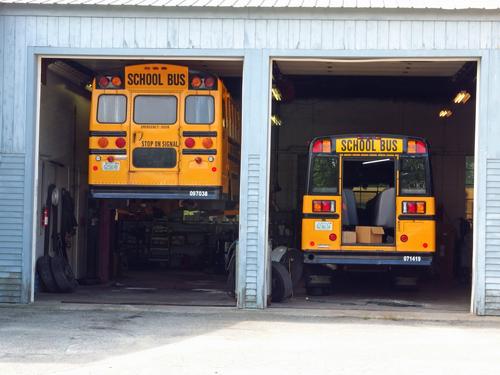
(112, 109)
(199, 109)
(413, 176)
(155, 109)
(325, 175)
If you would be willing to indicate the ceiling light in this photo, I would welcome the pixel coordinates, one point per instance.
(276, 93)
(462, 97)
(275, 120)
(375, 161)
(445, 113)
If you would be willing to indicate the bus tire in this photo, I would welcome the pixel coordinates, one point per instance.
(45, 273)
(63, 274)
(281, 283)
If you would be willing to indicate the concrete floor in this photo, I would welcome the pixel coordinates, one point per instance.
(53, 338)
(182, 288)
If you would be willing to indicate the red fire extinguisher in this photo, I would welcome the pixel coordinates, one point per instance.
(45, 217)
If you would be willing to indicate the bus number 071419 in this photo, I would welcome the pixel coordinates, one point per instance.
(198, 193)
(412, 258)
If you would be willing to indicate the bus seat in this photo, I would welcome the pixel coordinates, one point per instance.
(349, 212)
(384, 213)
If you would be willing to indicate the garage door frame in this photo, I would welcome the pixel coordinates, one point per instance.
(481, 57)
(33, 95)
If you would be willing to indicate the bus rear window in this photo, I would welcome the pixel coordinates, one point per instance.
(199, 109)
(413, 176)
(324, 175)
(155, 109)
(112, 109)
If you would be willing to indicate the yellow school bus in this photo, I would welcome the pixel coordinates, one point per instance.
(160, 131)
(369, 201)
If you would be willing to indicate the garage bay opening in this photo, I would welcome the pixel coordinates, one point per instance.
(372, 181)
(147, 153)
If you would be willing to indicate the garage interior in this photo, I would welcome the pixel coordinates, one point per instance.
(416, 98)
(125, 251)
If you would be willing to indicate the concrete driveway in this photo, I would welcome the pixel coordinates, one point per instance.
(102, 339)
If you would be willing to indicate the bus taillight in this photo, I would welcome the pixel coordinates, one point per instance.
(323, 206)
(120, 142)
(195, 82)
(103, 82)
(416, 147)
(109, 82)
(209, 82)
(189, 142)
(322, 145)
(413, 207)
(103, 142)
(207, 142)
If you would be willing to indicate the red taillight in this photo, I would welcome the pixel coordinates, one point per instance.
(111, 159)
(416, 146)
(196, 82)
(207, 142)
(103, 82)
(209, 82)
(198, 159)
(414, 207)
(403, 238)
(425, 245)
(214, 169)
(322, 145)
(120, 142)
(312, 243)
(323, 206)
(332, 237)
(103, 142)
(95, 167)
(189, 142)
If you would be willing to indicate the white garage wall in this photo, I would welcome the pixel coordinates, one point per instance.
(258, 35)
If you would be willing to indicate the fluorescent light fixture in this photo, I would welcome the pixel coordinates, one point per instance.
(462, 97)
(275, 120)
(375, 161)
(445, 113)
(276, 93)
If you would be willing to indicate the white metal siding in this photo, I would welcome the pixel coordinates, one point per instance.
(373, 4)
(284, 32)
(11, 226)
(17, 32)
(492, 267)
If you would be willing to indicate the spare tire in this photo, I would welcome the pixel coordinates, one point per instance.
(293, 260)
(281, 287)
(45, 272)
(231, 277)
(63, 274)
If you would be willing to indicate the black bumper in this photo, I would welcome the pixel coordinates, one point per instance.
(156, 192)
(378, 259)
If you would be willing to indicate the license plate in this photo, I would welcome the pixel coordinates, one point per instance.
(323, 225)
(110, 166)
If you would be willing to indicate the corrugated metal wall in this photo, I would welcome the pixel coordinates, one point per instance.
(492, 269)
(11, 226)
(288, 31)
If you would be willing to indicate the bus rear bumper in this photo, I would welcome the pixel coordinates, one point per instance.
(156, 192)
(392, 259)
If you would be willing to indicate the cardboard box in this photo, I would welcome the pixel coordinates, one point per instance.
(348, 236)
(369, 234)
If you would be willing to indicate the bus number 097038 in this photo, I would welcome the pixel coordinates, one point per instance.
(198, 193)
